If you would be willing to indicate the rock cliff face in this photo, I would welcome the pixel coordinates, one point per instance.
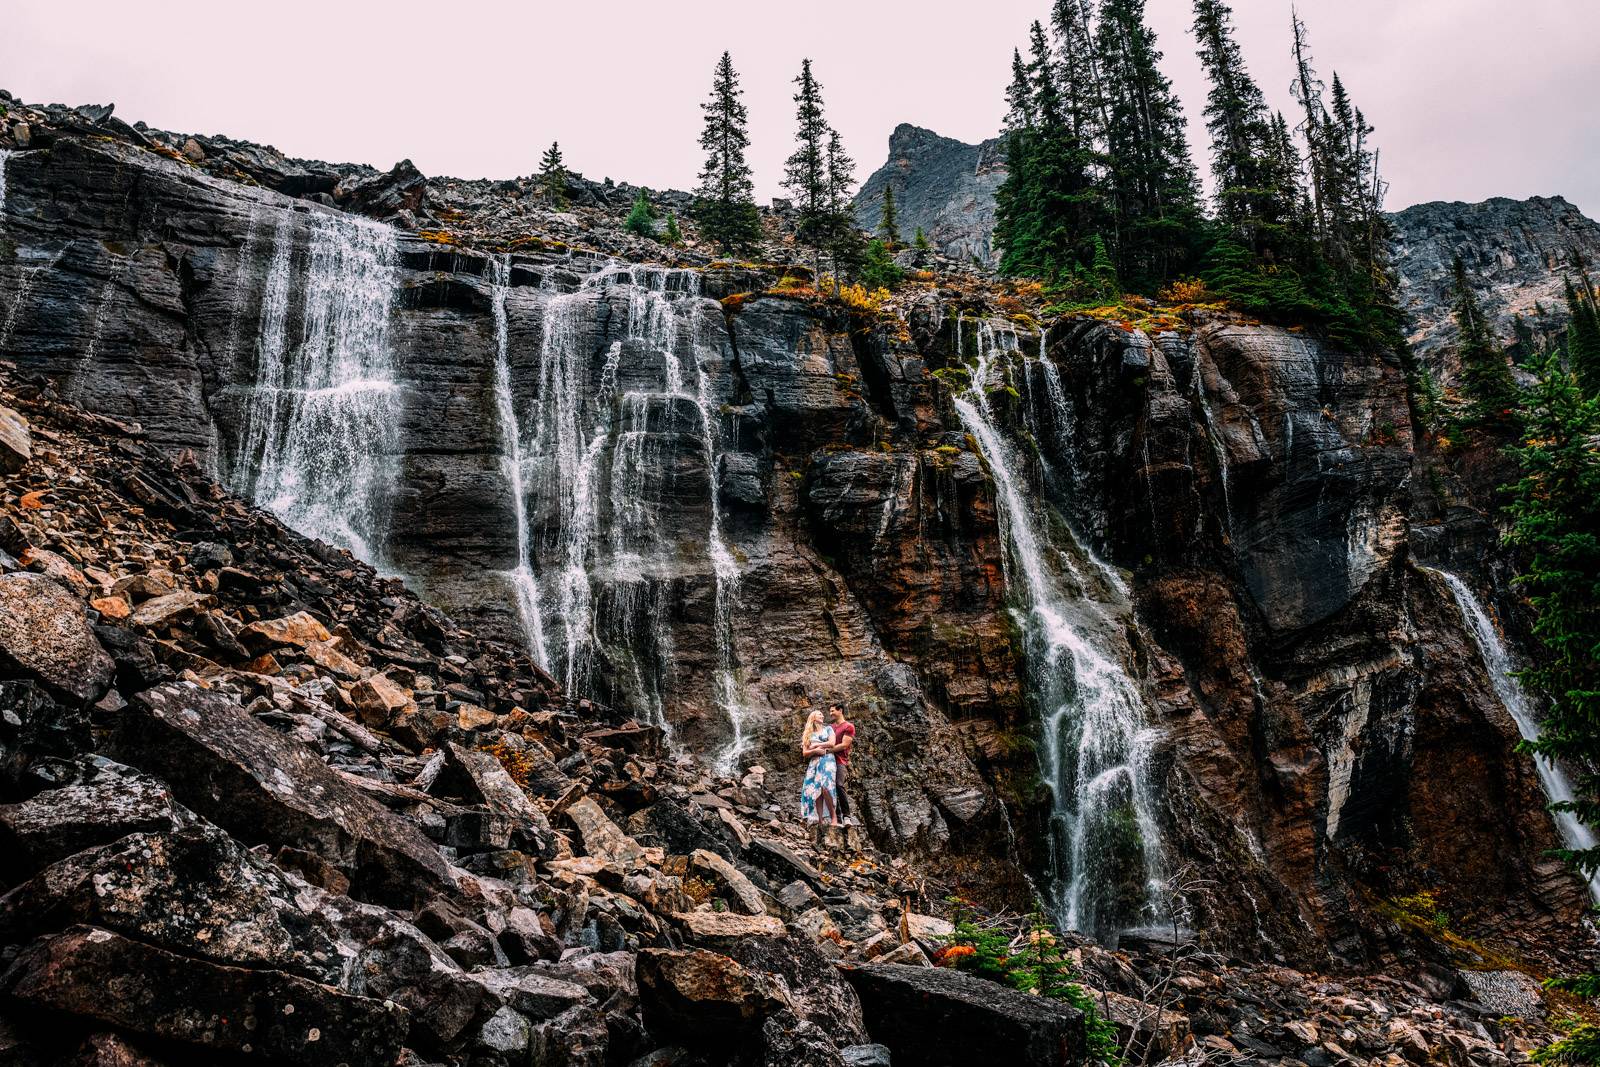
(1517, 251)
(712, 504)
(942, 186)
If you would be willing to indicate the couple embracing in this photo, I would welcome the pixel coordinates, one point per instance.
(826, 743)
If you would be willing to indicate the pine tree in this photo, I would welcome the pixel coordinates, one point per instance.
(889, 221)
(1019, 96)
(841, 238)
(673, 235)
(878, 268)
(1245, 161)
(1147, 152)
(1486, 379)
(725, 204)
(1077, 72)
(641, 217)
(920, 241)
(553, 175)
(1583, 340)
(806, 174)
(1049, 207)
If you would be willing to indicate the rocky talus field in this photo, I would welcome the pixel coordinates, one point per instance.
(410, 595)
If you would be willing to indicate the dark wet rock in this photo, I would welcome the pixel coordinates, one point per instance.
(108, 802)
(264, 1013)
(944, 1018)
(255, 783)
(867, 1056)
(702, 997)
(807, 982)
(44, 635)
(518, 822)
(193, 891)
(789, 1041)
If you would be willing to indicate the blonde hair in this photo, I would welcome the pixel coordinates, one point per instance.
(814, 717)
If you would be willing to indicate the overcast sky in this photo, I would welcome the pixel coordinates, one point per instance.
(1471, 98)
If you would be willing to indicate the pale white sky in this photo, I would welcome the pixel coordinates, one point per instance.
(1472, 98)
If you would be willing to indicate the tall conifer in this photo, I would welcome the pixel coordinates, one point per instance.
(889, 220)
(1147, 150)
(553, 175)
(725, 204)
(806, 174)
(1250, 201)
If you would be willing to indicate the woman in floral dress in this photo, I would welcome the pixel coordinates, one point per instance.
(816, 795)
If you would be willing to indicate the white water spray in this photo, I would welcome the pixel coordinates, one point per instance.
(322, 413)
(524, 586)
(1096, 746)
(1501, 667)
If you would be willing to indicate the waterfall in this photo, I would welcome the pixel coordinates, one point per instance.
(525, 588)
(596, 447)
(1501, 667)
(1096, 746)
(5, 158)
(322, 413)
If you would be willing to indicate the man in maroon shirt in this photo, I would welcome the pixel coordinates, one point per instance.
(844, 739)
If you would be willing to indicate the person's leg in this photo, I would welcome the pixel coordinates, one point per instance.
(841, 795)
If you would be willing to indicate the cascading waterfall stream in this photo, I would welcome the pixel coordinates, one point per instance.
(1501, 667)
(1096, 745)
(322, 413)
(524, 586)
(607, 509)
(5, 160)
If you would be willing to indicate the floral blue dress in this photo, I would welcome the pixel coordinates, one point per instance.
(820, 777)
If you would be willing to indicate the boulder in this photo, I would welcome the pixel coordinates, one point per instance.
(44, 635)
(602, 837)
(790, 1041)
(265, 788)
(16, 442)
(378, 698)
(298, 630)
(739, 889)
(194, 891)
(807, 982)
(520, 823)
(942, 1018)
(702, 997)
(866, 1056)
(167, 610)
(722, 930)
(230, 1011)
(110, 802)
(781, 863)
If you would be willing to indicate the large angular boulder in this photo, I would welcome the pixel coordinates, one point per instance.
(96, 975)
(109, 802)
(939, 1017)
(265, 788)
(807, 982)
(16, 442)
(602, 838)
(702, 997)
(195, 891)
(44, 635)
(515, 822)
(730, 880)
